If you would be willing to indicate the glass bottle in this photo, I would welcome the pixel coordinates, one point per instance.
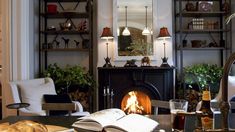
(207, 117)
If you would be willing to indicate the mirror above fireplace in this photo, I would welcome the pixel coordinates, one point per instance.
(132, 28)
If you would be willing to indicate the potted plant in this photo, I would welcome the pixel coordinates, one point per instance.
(203, 74)
(70, 76)
(195, 79)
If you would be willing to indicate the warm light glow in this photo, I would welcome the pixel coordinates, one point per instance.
(133, 104)
(146, 31)
(126, 32)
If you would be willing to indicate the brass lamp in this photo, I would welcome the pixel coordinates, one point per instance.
(164, 34)
(106, 34)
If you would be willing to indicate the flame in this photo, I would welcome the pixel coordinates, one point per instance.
(132, 105)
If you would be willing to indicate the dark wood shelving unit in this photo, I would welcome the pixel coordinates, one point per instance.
(80, 38)
(202, 31)
(66, 1)
(64, 32)
(219, 34)
(201, 14)
(66, 49)
(202, 48)
(65, 15)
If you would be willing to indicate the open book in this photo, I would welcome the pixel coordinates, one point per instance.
(115, 120)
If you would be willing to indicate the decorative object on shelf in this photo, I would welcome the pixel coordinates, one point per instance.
(198, 43)
(85, 43)
(77, 43)
(66, 26)
(50, 45)
(146, 30)
(190, 7)
(185, 41)
(164, 34)
(226, 6)
(126, 31)
(51, 28)
(57, 43)
(66, 42)
(130, 63)
(106, 34)
(205, 6)
(145, 61)
(52, 8)
(82, 26)
(198, 23)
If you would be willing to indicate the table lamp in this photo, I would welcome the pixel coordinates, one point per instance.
(106, 34)
(164, 34)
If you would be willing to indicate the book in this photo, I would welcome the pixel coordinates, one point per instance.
(115, 120)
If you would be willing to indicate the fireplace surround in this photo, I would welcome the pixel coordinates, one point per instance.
(116, 82)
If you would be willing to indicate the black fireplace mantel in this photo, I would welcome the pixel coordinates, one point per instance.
(156, 82)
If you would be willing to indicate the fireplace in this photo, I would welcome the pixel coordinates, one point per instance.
(132, 88)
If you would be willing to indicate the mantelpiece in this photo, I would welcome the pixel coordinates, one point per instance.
(116, 82)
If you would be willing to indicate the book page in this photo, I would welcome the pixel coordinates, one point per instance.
(99, 119)
(133, 123)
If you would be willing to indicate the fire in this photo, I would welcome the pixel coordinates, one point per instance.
(132, 105)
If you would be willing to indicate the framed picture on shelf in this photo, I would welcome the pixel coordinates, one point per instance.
(205, 6)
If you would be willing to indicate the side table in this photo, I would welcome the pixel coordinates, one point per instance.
(17, 106)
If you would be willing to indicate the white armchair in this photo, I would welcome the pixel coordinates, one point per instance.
(32, 91)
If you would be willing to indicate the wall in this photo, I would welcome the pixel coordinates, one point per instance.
(0, 36)
(162, 17)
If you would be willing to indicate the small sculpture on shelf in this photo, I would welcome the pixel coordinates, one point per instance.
(66, 26)
(66, 42)
(82, 26)
(77, 43)
(51, 28)
(145, 61)
(130, 63)
(57, 43)
(85, 43)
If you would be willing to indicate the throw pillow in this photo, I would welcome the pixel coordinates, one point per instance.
(33, 94)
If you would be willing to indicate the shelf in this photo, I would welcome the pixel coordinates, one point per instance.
(202, 31)
(64, 32)
(201, 48)
(201, 14)
(65, 15)
(67, 49)
(66, 0)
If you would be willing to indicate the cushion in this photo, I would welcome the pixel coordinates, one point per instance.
(57, 99)
(233, 100)
(32, 93)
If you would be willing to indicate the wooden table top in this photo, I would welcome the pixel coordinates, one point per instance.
(66, 121)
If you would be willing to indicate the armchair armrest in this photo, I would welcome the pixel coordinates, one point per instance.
(58, 106)
(79, 107)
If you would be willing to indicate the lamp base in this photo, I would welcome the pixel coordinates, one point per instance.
(107, 62)
(164, 62)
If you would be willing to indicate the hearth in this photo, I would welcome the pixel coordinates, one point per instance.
(133, 88)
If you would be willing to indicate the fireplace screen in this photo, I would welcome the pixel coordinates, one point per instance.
(136, 102)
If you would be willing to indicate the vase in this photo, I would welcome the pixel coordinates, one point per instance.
(225, 6)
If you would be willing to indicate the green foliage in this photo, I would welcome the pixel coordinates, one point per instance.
(75, 75)
(139, 47)
(202, 74)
